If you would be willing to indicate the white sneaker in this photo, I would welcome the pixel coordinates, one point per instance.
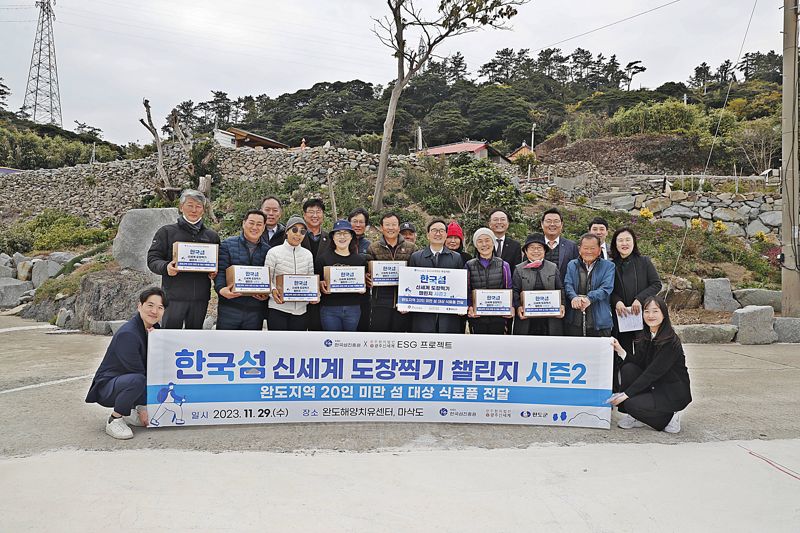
(117, 428)
(674, 425)
(133, 418)
(628, 422)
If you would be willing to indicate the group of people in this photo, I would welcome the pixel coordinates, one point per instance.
(599, 282)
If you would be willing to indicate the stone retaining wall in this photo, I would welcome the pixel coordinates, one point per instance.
(744, 215)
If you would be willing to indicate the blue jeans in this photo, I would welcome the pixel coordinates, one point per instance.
(340, 317)
(241, 318)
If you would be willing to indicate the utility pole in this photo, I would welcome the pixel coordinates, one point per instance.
(790, 192)
(42, 97)
(533, 135)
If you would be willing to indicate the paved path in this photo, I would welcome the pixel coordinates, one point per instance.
(55, 470)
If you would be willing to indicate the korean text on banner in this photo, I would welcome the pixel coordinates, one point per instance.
(432, 290)
(247, 377)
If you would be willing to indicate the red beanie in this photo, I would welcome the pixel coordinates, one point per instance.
(454, 230)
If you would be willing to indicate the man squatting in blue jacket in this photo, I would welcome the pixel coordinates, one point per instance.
(121, 380)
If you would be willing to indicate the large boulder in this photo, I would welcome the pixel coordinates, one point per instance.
(135, 235)
(25, 270)
(747, 297)
(44, 270)
(734, 230)
(680, 211)
(62, 257)
(718, 295)
(755, 324)
(726, 214)
(11, 290)
(5, 259)
(771, 218)
(109, 295)
(624, 203)
(6, 271)
(46, 309)
(706, 333)
(19, 258)
(787, 329)
(656, 205)
(755, 226)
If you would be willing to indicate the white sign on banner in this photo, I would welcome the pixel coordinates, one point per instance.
(432, 290)
(249, 377)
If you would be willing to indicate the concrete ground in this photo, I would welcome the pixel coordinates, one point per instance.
(735, 466)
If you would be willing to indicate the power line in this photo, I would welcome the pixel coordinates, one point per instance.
(716, 133)
(607, 25)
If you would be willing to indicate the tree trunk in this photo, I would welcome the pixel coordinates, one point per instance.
(163, 185)
(386, 143)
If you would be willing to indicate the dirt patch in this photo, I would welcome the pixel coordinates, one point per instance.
(699, 316)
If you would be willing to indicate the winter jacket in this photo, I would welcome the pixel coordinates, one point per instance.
(363, 244)
(436, 322)
(234, 251)
(380, 251)
(664, 373)
(127, 354)
(635, 278)
(524, 279)
(185, 286)
(599, 292)
(288, 259)
(277, 238)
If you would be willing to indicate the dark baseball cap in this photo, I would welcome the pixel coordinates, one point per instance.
(408, 226)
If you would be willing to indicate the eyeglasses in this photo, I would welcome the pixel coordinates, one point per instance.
(297, 229)
(437, 230)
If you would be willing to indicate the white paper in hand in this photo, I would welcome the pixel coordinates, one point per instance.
(631, 322)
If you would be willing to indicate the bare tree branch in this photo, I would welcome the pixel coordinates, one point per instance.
(163, 181)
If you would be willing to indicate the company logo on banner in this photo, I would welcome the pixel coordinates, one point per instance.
(243, 377)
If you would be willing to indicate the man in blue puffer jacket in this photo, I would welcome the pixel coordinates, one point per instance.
(236, 311)
(588, 286)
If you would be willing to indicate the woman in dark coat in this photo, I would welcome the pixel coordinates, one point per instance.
(635, 280)
(536, 274)
(654, 378)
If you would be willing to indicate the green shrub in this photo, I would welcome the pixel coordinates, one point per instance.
(52, 230)
(15, 238)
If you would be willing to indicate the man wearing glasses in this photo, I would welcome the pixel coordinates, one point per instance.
(436, 255)
(314, 241)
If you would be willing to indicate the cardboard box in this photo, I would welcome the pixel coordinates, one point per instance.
(385, 273)
(492, 302)
(432, 290)
(539, 304)
(298, 287)
(195, 256)
(247, 279)
(344, 279)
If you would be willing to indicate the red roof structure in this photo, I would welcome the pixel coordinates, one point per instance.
(479, 149)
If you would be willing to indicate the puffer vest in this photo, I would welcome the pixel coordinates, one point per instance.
(486, 278)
